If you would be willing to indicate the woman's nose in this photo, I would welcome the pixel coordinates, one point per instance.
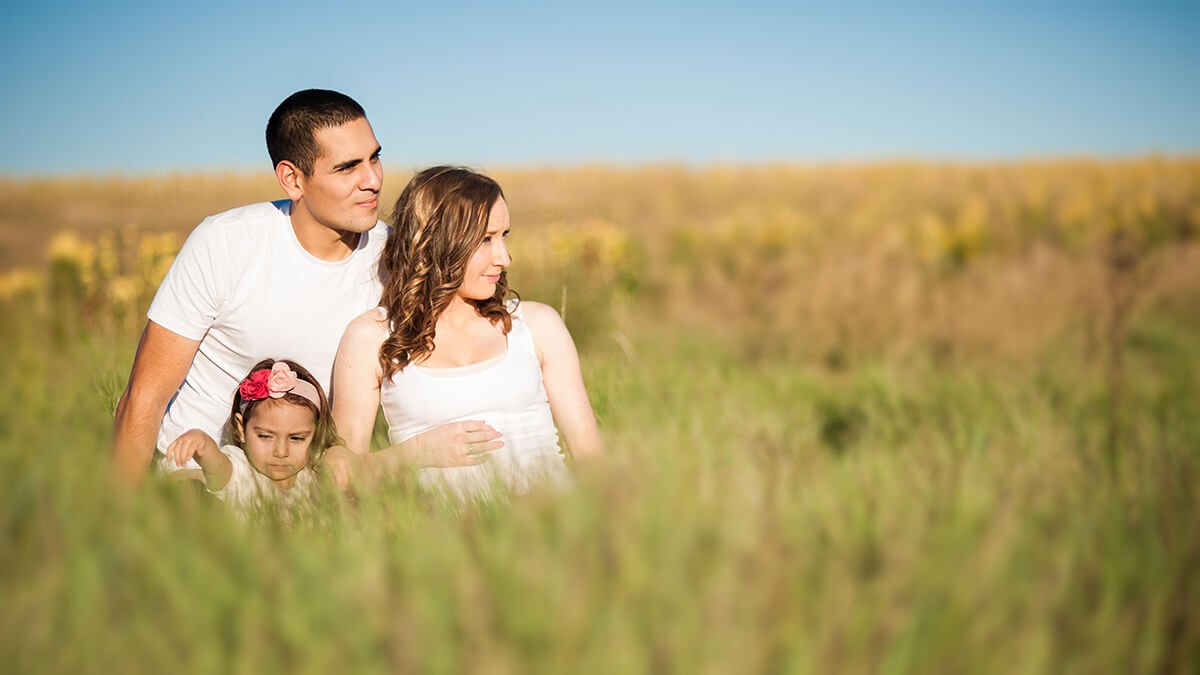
(500, 256)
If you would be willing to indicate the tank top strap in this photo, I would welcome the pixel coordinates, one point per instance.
(520, 335)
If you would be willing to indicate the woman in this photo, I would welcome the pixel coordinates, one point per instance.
(448, 345)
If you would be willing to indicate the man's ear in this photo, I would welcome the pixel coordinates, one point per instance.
(290, 179)
(239, 432)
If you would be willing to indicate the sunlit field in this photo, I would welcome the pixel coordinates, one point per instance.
(897, 418)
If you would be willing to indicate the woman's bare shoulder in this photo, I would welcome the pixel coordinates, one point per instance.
(549, 331)
(368, 327)
(539, 313)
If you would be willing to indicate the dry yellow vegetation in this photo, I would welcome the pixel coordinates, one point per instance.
(902, 418)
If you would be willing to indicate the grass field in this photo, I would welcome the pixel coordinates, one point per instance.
(901, 418)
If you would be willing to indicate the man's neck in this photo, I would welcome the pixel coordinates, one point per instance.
(322, 241)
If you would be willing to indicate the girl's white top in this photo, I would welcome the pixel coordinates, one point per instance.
(248, 490)
(506, 392)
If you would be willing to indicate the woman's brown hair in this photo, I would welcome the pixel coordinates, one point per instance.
(439, 222)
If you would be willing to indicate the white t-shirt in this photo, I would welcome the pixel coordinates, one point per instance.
(248, 489)
(244, 286)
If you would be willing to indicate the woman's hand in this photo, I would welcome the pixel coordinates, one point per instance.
(466, 443)
(192, 443)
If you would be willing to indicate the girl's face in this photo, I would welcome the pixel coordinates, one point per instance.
(277, 436)
(490, 259)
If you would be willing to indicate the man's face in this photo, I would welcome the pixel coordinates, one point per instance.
(343, 191)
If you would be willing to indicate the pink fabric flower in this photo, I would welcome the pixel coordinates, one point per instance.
(281, 379)
(255, 386)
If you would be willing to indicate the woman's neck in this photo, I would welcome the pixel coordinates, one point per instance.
(458, 312)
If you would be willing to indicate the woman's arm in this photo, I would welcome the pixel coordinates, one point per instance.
(354, 397)
(213, 463)
(356, 376)
(563, 381)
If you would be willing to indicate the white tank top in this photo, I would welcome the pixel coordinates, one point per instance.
(506, 392)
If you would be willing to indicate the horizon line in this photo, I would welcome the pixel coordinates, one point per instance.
(612, 165)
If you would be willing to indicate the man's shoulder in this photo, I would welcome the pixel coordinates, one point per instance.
(377, 236)
(249, 216)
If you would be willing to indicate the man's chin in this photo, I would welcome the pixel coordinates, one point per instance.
(360, 225)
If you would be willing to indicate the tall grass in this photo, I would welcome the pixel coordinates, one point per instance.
(829, 451)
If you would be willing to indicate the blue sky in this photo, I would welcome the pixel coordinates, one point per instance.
(157, 86)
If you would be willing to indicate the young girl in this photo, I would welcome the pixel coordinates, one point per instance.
(448, 345)
(278, 428)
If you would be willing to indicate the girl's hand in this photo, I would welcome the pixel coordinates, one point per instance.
(344, 466)
(192, 443)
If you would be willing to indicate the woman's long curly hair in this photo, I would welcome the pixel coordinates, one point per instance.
(439, 222)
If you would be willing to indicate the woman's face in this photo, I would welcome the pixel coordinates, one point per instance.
(490, 259)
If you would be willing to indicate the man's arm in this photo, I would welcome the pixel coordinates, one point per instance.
(159, 366)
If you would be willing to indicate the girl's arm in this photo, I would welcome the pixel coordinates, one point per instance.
(563, 381)
(195, 443)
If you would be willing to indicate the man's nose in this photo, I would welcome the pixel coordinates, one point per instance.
(371, 178)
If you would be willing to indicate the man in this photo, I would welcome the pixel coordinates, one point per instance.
(279, 279)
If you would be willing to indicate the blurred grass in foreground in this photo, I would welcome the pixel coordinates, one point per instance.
(837, 445)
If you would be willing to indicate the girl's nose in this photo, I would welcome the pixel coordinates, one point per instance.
(280, 449)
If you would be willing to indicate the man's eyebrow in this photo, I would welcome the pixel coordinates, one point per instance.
(351, 163)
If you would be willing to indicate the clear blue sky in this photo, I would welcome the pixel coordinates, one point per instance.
(156, 86)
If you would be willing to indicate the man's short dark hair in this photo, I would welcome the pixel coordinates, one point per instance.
(292, 129)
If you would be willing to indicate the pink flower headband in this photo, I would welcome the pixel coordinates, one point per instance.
(274, 383)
